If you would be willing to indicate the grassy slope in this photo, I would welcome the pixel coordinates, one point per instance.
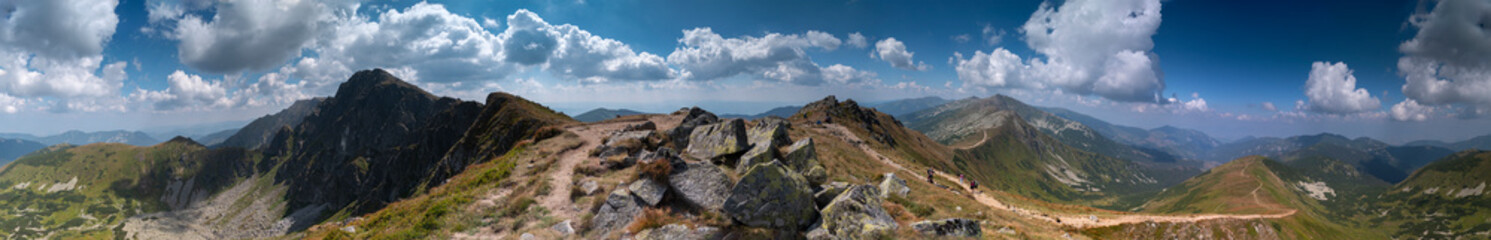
(1414, 211)
(114, 181)
(1229, 189)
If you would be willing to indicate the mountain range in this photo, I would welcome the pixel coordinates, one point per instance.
(599, 114)
(384, 159)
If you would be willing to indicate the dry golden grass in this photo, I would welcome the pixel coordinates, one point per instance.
(657, 169)
(652, 218)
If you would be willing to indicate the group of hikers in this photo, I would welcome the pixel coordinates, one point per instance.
(973, 185)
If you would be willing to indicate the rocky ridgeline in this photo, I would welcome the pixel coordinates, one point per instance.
(782, 186)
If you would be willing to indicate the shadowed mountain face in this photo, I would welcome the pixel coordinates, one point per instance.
(258, 133)
(371, 143)
(10, 149)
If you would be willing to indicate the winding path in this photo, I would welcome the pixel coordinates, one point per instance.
(1076, 221)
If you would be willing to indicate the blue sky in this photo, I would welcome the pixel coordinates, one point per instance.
(1230, 68)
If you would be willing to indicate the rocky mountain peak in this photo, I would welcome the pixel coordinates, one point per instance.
(377, 83)
(182, 140)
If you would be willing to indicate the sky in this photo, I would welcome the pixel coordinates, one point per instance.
(1391, 70)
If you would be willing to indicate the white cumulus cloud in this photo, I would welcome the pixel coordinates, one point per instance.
(1331, 88)
(50, 52)
(895, 53)
(1448, 61)
(705, 55)
(246, 35)
(186, 91)
(1410, 110)
(857, 40)
(1090, 47)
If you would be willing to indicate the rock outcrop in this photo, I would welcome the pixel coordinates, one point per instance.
(701, 184)
(771, 195)
(948, 227)
(891, 185)
(710, 142)
(618, 211)
(648, 190)
(828, 192)
(679, 232)
(765, 137)
(694, 117)
(857, 214)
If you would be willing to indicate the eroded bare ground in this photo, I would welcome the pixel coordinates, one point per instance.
(560, 176)
(243, 211)
(1076, 221)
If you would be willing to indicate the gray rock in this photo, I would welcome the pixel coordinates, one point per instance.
(696, 117)
(765, 137)
(769, 132)
(618, 211)
(712, 141)
(801, 156)
(564, 228)
(648, 125)
(648, 190)
(590, 187)
(857, 214)
(892, 185)
(770, 195)
(679, 232)
(816, 232)
(948, 227)
(829, 192)
(641, 139)
(701, 184)
(527, 236)
(662, 153)
(757, 155)
(816, 175)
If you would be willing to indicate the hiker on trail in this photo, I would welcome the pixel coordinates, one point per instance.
(929, 176)
(973, 184)
(960, 178)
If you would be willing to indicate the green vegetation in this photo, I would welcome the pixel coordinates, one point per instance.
(84, 191)
(1445, 199)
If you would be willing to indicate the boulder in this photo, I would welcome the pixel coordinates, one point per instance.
(829, 192)
(650, 191)
(891, 185)
(701, 184)
(695, 117)
(857, 214)
(564, 228)
(948, 227)
(769, 132)
(757, 155)
(709, 142)
(662, 153)
(618, 211)
(816, 175)
(637, 140)
(771, 195)
(801, 156)
(678, 232)
(648, 125)
(590, 187)
(816, 232)
(625, 144)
